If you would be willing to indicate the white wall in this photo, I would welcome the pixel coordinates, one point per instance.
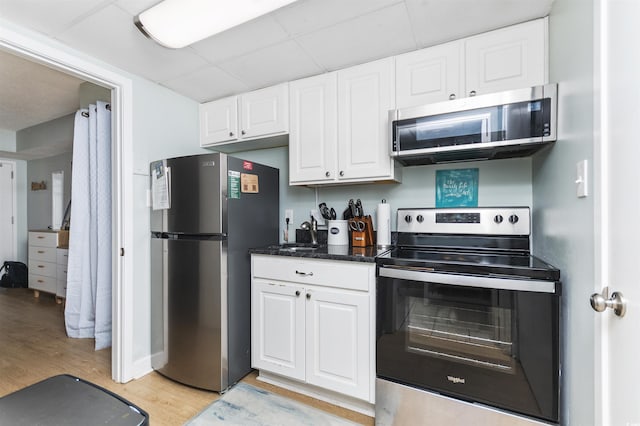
(7, 140)
(563, 223)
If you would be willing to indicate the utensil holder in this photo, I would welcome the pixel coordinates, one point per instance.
(362, 238)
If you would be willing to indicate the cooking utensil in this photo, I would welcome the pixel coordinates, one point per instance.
(359, 209)
(352, 208)
(324, 210)
(357, 225)
(332, 214)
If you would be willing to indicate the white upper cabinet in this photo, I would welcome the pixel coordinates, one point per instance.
(428, 75)
(261, 113)
(366, 93)
(509, 58)
(219, 121)
(339, 126)
(313, 133)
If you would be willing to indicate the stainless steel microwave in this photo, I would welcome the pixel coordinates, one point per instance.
(508, 124)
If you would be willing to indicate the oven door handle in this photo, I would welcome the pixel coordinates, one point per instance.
(470, 280)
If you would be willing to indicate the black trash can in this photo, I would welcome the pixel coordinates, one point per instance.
(70, 401)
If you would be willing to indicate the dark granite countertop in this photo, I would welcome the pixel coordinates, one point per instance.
(323, 251)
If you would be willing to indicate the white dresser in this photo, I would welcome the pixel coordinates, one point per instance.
(47, 264)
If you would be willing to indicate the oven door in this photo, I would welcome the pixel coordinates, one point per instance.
(489, 340)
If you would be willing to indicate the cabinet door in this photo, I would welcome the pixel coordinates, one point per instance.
(264, 112)
(277, 324)
(366, 93)
(313, 132)
(338, 342)
(509, 58)
(428, 75)
(219, 121)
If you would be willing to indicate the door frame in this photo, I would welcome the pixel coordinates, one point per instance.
(14, 211)
(48, 52)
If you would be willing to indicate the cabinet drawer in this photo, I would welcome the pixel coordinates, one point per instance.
(45, 254)
(40, 282)
(62, 256)
(327, 273)
(47, 269)
(43, 239)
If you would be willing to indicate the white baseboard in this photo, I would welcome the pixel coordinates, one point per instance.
(334, 398)
(141, 367)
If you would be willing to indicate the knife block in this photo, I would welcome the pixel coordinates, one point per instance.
(362, 238)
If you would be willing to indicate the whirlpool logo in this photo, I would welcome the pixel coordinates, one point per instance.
(456, 380)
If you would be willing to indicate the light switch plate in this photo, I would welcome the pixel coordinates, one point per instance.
(582, 179)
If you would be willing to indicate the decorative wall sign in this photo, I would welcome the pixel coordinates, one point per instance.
(457, 188)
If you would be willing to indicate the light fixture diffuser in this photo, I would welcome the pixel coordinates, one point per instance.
(179, 23)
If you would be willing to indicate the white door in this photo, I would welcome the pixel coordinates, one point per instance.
(219, 121)
(617, 344)
(313, 130)
(7, 212)
(265, 111)
(277, 324)
(338, 341)
(509, 58)
(428, 75)
(366, 93)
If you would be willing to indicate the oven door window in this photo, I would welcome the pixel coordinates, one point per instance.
(497, 347)
(471, 326)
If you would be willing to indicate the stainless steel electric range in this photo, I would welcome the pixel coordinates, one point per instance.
(465, 311)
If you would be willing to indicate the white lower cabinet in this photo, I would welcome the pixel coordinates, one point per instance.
(320, 334)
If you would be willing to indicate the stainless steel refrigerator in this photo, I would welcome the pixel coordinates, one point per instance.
(208, 210)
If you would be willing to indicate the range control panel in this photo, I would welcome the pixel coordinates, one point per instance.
(479, 220)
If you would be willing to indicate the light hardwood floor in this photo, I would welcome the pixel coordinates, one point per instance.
(34, 346)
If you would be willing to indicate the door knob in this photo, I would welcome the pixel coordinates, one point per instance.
(601, 301)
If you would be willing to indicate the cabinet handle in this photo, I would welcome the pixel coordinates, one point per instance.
(40, 237)
(341, 173)
(327, 174)
(472, 93)
(40, 266)
(297, 293)
(243, 132)
(230, 133)
(308, 295)
(40, 251)
(304, 274)
(452, 96)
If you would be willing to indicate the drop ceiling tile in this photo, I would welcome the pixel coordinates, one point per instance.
(437, 22)
(207, 84)
(275, 64)
(134, 7)
(111, 36)
(45, 16)
(307, 16)
(376, 35)
(238, 41)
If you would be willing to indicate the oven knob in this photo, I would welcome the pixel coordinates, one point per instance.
(498, 218)
(420, 218)
(407, 218)
(513, 219)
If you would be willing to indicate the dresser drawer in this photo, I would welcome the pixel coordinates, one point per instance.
(47, 269)
(43, 239)
(61, 272)
(40, 282)
(327, 273)
(45, 254)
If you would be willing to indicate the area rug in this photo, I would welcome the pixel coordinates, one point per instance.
(251, 406)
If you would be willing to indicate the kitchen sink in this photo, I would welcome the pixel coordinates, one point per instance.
(300, 247)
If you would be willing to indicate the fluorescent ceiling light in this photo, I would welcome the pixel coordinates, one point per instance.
(179, 23)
